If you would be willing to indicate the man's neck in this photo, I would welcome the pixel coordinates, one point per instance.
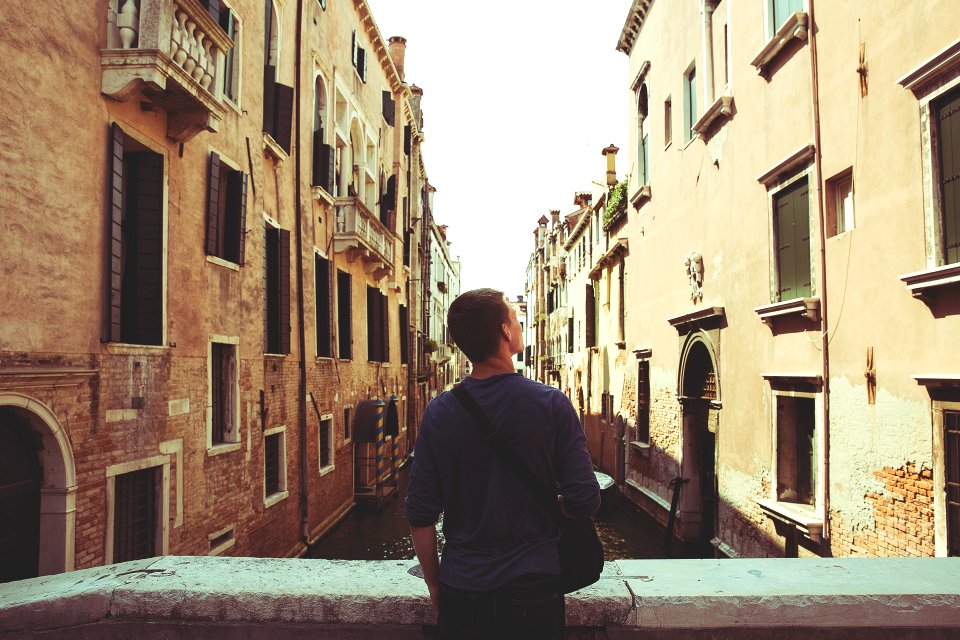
(493, 366)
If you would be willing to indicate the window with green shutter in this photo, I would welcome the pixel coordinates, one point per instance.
(791, 227)
(948, 143)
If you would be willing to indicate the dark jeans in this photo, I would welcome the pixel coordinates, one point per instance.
(529, 608)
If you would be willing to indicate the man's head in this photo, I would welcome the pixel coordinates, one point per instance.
(481, 322)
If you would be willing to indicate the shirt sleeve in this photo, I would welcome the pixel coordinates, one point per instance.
(424, 501)
(577, 482)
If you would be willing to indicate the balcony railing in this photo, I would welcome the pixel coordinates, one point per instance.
(359, 234)
(207, 597)
(173, 51)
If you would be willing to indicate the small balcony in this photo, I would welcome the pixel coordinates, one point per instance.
(173, 51)
(361, 235)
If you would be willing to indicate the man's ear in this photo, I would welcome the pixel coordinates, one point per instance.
(505, 331)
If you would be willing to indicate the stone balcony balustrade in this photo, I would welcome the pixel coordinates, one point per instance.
(173, 51)
(359, 234)
(286, 599)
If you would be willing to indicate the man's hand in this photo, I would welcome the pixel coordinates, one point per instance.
(425, 544)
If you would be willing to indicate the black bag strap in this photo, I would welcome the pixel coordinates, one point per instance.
(547, 498)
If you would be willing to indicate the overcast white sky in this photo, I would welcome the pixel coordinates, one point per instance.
(519, 99)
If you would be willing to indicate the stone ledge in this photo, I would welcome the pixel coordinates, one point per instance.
(634, 598)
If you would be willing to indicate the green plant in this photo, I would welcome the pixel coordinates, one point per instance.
(429, 345)
(616, 204)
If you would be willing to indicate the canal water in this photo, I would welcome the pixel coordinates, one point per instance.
(369, 534)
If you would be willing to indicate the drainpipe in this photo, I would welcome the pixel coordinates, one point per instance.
(707, 10)
(824, 338)
(301, 335)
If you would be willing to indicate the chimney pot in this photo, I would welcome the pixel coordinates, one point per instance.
(398, 49)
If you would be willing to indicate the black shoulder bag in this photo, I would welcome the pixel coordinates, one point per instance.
(581, 553)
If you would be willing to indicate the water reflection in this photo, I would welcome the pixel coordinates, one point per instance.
(366, 534)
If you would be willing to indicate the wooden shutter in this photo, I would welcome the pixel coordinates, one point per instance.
(407, 136)
(570, 335)
(344, 315)
(384, 329)
(242, 227)
(317, 153)
(389, 108)
(269, 89)
(278, 290)
(792, 228)
(233, 217)
(284, 291)
(148, 245)
(591, 312)
(283, 114)
(322, 282)
(403, 320)
(214, 208)
(948, 129)
(362, 63)
(114, 243)
(353, 49)
(372, 325)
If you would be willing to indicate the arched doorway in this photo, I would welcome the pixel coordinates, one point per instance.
(37, 490)
(699, 396)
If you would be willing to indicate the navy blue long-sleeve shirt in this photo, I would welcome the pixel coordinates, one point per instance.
(495, 528)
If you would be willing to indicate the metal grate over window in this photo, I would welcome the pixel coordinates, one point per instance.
(271, 448)
(951, 441)
(135, 515)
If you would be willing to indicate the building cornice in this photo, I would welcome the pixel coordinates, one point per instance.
(381, 48)
(632, 25)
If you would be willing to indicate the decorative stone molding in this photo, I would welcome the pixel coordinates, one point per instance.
(273, 149)
(928, 75)
(694, 268)
(634, 22)
(359, 234)
(641, 76)
(172, 51)
(619, 249)
(799, 158)
(937, 380)
(700, 319)
(922, 284)
(721, 108)
(802, 517)
(43, 377)
(794, 28)
(791, 380)
(808, 308)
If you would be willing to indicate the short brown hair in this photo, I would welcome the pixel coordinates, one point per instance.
(474, 319)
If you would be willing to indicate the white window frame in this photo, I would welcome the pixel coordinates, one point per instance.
(770, 29)
(331, 443)
(940, 540)
(772, 192)
(282, 493)
(224, 545)
(163, 502)
(236, 443)
(690, 99)
(818, 502)
(225, 160)
(237, 80)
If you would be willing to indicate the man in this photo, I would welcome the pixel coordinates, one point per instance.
(500, 568)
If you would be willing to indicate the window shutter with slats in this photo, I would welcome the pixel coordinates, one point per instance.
(948, 134)
(115, 237)
(148, 245)
(389, 108)
(407, 135)
(591, 312)
(269, 99)
(243, 218)
(214, 208)
(284, 291)
(283, 114)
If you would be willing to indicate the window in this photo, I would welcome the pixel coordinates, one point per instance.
(274, 465)
(951, 445)
(780, 10)
(277, 98)
(643, 401)
(378, 328)
(221, 540)
(947, 169)
(325, 440)
(667, 122)
(791, 228)
(346, 424)
(643, 155)
(224, 394)
(389, 108)
(232, 57)
(135, 515)
(840, 203)
(570, 334)
(388, 200)
(344, 316)
(226, 211)
(359, 58)
(278, 290)
(796, 449)
(135, 248)
(689, 103)
(404, 321)
(590, 300)
(621, 302)
(323, 311)
(324, 155)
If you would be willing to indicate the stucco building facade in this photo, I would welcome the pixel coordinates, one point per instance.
(792, 272)
(213, 251)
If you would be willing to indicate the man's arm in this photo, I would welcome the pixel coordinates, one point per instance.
(425, 544)
(579, 492)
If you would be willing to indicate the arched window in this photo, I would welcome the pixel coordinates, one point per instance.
(271, 47)
(643, 137)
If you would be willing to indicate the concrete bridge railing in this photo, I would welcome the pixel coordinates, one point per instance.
(280, 599)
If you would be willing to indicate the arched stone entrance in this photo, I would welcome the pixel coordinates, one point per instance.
(699, 394)
(43, 485)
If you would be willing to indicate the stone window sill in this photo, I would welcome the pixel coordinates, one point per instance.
(640, 197)
(233, 266)
(219, 449)
(808, 308)
(327, 469)
(319, 193)
(802, 516)
(127, 349)
(641, 447)
(794, 27)
(721, 108)
(923, 283)
(273, 149)
(271, 500)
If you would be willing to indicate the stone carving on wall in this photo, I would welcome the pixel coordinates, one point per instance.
(694, 267)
